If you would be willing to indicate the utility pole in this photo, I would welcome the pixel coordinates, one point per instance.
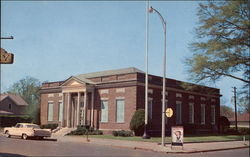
(235, 109)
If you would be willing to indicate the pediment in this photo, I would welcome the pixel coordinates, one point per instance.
(73, 82)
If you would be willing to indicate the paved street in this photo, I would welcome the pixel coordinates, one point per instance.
(19, 147)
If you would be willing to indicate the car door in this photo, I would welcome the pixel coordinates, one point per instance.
(20, 130)
(14, 130)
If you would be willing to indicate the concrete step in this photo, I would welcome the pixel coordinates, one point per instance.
(63, 131)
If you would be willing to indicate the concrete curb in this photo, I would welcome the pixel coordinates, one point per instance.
(168, 152)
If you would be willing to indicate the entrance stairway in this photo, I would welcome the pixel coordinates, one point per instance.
(62, 132)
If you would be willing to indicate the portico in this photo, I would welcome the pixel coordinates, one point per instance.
(77, 98)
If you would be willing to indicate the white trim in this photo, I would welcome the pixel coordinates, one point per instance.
(120, 97)
(190, 97)
(104, 91)
(51, 95)
(178, 95)
(150, 91)
(120, 90)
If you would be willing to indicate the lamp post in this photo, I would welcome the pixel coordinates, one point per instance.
(145, 135)
(151, 10)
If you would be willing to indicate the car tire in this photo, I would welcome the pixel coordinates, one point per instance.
(40, 138)
(24, 136)
(7, 134)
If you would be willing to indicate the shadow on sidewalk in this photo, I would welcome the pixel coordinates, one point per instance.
(11, 155)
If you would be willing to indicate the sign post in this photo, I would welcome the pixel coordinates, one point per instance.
(177, 134)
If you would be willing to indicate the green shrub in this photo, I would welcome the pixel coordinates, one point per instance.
(49, 126)
(137, 122)
(224, 124)
(122, 133)
(81, 130)
(96, 132)
(241, 131)
(11, 120)
(114, 133)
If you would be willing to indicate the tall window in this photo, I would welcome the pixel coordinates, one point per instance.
(150, 103)
(50, 111)
(60, 115)
(212, 114)
(178, 112)
(203, 113)
(191, 113)
(120, 110)
(104, 110)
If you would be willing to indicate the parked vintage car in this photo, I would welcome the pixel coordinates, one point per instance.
(26, 130)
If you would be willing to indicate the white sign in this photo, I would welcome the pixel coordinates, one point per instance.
(177, 135)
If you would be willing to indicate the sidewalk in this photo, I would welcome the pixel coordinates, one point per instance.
(150, 146)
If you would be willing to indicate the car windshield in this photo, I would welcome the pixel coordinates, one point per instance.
(33, 126)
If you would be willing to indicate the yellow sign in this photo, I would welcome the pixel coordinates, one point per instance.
(169, 112)
(6, 58)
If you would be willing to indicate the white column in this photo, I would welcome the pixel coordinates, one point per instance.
(78, 108)
(68, 108)
(92, 107)
(72, 113)
(62, 122)
(85, 108)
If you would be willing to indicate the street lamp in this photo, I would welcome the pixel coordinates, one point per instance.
(151, 10)
(145, 135)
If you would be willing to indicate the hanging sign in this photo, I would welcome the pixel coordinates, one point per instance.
(5, 57)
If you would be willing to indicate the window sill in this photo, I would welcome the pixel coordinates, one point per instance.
(120, 122)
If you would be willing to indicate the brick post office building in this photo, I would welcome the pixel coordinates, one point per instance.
(107, 100)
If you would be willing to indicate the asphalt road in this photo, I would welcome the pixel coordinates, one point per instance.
(18, 147)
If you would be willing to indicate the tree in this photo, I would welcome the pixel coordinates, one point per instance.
(137, 122)
(226, 111)
(28, 89)
(222, 48)
(222, 45)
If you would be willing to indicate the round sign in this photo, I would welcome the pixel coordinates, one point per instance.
(169, 112)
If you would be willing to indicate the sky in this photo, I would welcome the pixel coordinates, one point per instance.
(54, 40)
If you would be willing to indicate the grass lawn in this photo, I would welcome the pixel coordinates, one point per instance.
(203, 138)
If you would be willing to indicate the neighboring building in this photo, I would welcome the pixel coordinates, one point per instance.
(11, 104)
(107, 100)
(243, 120)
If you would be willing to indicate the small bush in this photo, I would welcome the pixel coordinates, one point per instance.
(11, 120)
(137, 122)
(224, 124)
(241, 131)
(81, 130)
(96, 132)
(114, 133)
(49, 126)
(122, 133)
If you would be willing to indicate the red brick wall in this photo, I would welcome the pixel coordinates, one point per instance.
(44, 107)
(130, 107)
